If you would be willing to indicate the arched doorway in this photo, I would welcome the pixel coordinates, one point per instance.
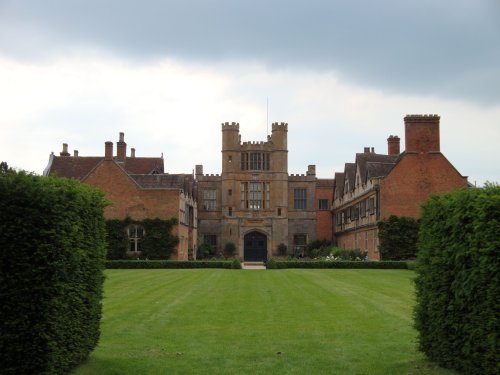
(255, 248)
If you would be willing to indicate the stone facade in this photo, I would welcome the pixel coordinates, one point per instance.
(254, 203)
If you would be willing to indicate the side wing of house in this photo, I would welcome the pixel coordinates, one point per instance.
(128, 199)
(413, 179)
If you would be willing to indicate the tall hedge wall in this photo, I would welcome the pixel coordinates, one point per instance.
(458, 280)
(52, 249)
(398, 238)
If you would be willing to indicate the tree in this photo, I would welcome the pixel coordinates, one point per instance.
(4, 167)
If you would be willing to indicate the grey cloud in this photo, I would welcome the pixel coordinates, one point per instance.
(446, 48)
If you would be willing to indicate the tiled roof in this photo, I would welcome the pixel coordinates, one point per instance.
(364, 159)
(339, 184)
(350, 174)
(325, 182)
(165, 181)
(143, 165)
(376, 170)
(80, 166)
(74, 167)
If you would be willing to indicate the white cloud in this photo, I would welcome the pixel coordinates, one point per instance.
(176, 108)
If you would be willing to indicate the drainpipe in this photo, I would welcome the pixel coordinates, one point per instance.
(377, 194)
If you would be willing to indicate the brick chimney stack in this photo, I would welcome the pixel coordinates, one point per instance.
(108, 150)
(121, 148)
(393, 145)
(422, 133)
(64, 152)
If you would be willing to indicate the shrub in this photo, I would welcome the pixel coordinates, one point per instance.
(458, 280)
(317, 247)
(339, 253)
(271, 264)
(229, 249)
(205, 251)
(279, 264)
(398, 238)
(236, 264)
(52, 251)
(171, 264)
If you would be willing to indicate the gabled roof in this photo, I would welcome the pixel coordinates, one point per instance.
(80, 166)
(350, 174)
(363, 160)
(339, 184)
(377, 170)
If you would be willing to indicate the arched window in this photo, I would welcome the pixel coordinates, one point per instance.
(135, 234)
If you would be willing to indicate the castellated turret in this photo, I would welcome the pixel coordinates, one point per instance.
(230, 136)
(279, 135)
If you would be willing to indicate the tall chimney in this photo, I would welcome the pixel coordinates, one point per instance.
(75, 153)
(132, 152)
(422, 133)
(108, 150)
(121, 148)
(64, 152)
(393, 147)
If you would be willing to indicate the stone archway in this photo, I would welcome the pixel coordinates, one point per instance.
(255, 247)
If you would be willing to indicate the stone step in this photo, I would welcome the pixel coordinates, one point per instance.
(253, 265)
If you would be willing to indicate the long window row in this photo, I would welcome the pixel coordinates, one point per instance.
(362, 209)
(255, 161)
(255, 195)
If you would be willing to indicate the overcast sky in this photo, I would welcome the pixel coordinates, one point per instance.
(343, 74)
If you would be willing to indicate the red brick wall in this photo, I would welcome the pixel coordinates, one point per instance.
(129, 200)
(365, 240)
(324, 224)
(413, 179)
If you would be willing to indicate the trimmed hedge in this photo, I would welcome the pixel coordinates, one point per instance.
(179, 264)
(458, 280)
(52, 249)
(398, 238)
(280, 264)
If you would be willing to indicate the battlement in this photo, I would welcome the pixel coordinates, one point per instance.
(230, 126)
(422, 118)
(280, 126)
(254, 143)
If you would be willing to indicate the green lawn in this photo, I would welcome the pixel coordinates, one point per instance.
(293, 321)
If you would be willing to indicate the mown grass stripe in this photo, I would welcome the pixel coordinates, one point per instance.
(293, 321)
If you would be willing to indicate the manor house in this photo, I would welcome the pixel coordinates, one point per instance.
(257, 206)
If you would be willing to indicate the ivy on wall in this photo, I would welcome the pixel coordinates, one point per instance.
(157, 241)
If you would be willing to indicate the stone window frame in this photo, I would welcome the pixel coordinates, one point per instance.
(210, 199)
(135, 233)
(300, 198)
